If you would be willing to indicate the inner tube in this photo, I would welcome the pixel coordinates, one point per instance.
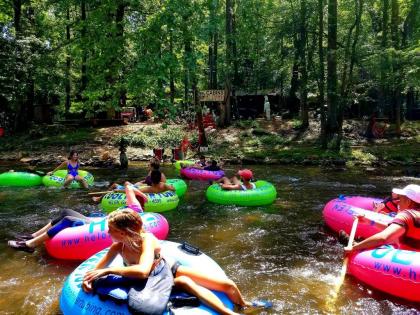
(161, 202)
(390, 270)
(199, 174)
(179, 185)
(73, 300)
(177, 164)
(264, 194)
(339, 215)
(20, 179)
(81, 242)
(57, 179)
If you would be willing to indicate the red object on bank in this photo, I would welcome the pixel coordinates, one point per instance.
(1, 132)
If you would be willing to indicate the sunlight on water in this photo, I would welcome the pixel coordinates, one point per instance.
(280, 252)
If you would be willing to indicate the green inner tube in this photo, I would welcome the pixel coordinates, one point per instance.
(184, 162)
(179, 185)
(264, 194)
(165, 201)
(20, 179)
(57, 179)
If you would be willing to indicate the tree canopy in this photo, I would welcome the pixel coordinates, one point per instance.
(91, 56)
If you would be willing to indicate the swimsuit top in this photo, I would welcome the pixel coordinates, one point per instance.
(156, 258)
(244, 187)
(72, 169)
(148, 180)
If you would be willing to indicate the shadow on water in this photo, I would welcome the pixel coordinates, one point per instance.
(279, 252)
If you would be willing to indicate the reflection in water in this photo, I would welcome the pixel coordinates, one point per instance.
(280, 252)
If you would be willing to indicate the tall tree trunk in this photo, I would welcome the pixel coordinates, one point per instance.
(83, 32)
(199, 114)
(397, 77)
(119, 18)
(332, 98)
(17, 14)
(303, 67)
(68, 66)
(232, 67)
(212, 81)
(171, 68)
(321, 80)
(293, 102)
(384, 44)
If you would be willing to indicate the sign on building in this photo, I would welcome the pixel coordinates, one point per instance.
(212, 96)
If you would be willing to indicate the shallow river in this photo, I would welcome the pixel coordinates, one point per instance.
(281, 252)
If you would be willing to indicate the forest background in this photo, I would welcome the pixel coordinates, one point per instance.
(341, 58)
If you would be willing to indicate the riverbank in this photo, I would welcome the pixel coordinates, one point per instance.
(245, 142)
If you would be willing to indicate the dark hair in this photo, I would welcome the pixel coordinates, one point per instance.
(155, 163)
(202, 157)
(213, 163)
(156, 176)
(71, 153)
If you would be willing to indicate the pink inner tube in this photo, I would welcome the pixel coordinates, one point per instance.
(395, 271)
(198, 174)
(339, 215)
(81, 242)
(391, 270)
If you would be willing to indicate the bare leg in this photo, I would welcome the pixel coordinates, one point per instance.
(235, 181)
(130, 194)
(205, 295)
(224, 285)
(69, 179)
(82, 182)
(42, 230)
(38, 240)
(224, 180)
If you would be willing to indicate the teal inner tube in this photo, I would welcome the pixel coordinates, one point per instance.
(161, 202)
(20, 179)
(179, 185)
(177, 164)
(264, 194)
(57, 179)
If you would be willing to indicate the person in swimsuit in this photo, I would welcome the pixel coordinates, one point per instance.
(157, 185)
(212, 167)
(149, 276)
(154, 165)
(72, 165)
(67, 218)
(235, 184)
(404, 227)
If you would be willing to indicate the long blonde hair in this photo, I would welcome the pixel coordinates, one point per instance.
(130, 222)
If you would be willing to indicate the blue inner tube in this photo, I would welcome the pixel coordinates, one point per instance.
(74, 300)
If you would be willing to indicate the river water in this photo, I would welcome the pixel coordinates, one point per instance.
(280, 252)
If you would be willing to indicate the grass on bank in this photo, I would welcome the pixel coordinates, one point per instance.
(241, 142)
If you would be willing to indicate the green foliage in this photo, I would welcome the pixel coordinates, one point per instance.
(151, 52)
(168, 137)
(246, 124)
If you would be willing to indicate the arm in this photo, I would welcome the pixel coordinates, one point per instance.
(391, 234)
(163, 178)
(99, 270)
(60, 167)
(140, 270)
(169, 187)
(231, 187)
(363, 219)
